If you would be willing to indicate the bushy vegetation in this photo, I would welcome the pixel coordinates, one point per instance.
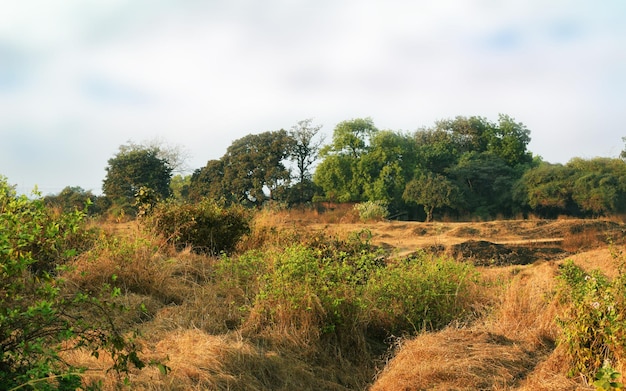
(372, 210)
(594, 324)
(204, 226)
(41, 315)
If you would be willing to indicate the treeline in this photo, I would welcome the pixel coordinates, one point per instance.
(464, 167)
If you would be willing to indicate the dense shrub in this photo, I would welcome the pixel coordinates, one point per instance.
(40, 316)
(338, 294)
(419, 293)
(372, 210)
(205, 226)
(593, 324)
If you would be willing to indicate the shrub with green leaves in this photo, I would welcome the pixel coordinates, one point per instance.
(40, 316)
(205, 226)
(593, 325)
(372, 210)
(344, 293)
(419, 293)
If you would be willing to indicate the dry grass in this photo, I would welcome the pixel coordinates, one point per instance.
(207, 331)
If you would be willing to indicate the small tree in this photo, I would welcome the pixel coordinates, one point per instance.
(134, 168)
(432, 191)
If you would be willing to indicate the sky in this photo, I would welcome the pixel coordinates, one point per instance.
(79, 78)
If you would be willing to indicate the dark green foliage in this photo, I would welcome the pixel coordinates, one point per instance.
(74, 197)
(486, 182)
(205, 226)
(581, 187)
(39, 314)
(251, 165)
(132, 169)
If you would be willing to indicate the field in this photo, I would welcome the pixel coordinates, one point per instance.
(220, 323)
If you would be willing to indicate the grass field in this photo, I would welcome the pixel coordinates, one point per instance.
(315, 301)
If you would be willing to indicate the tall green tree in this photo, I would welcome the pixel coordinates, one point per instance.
(509, 140)
(338, 173)
(133, 168)
(208, 181)
(252, 166)
(547, 190)
(486, 182)
(306, 144)
(351, 137)
(387, 167)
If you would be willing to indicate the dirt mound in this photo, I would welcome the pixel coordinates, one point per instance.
(484, 253)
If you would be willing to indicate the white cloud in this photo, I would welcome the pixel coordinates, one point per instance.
(205, 73)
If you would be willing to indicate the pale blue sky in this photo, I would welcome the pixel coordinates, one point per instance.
(80, 77)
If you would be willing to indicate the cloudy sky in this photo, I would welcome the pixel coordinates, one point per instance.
(78, 78)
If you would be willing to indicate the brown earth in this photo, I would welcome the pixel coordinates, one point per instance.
(494, 243)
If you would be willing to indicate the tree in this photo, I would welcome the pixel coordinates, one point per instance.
(75, 197)
(599, 185)
(133, 168)
(208, 181)
(338, 172)
(432, 191)
(509, 140)
(436, 150)
(387, 167)
(304, 152)
(305, 147)
(175, 155)
(351, 137)
(486, 181)
(179, 187)
(251, 166)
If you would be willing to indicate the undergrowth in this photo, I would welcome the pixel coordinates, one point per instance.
(594, 323)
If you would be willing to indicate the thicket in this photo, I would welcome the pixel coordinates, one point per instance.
(594, 323)
(204, 226)
(41, 314)
(340, 296)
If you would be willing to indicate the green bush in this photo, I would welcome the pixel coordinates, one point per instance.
(205, 226)
(419, 293)
(372, 210)
(344, 293)
(40, 316)
(593, 325)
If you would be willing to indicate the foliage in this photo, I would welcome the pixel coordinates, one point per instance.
(547, 190)
(305, 148)
(606, 378)
(251, 165)
(419, 293)
(338, 174)
(205, 226)
(133, 168)
(485, 181)
(75, 197)
(593, 326)
(372, 210)
(341, 292)
(351, 137)
(581, 187)
(432, 191)
(179, 186)
(40, 316)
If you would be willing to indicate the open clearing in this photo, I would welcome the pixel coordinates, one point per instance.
(508, 344)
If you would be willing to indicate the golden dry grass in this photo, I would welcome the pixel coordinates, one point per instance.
(197, 326)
